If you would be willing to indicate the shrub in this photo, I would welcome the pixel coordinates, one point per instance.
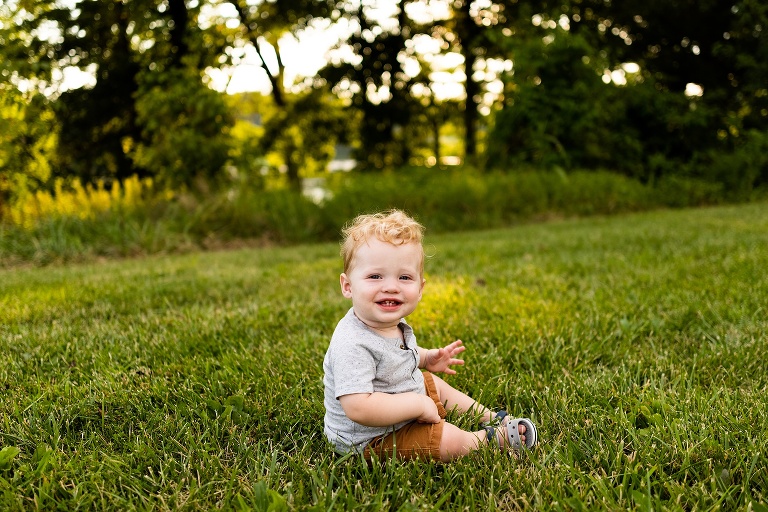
(78, 200)
(466, 199)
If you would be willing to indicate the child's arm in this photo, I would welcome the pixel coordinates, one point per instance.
(441, 359)
(384, 409)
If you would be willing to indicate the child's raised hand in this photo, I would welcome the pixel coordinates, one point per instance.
(441, 359)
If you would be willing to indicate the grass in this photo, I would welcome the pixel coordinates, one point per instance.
(194, 381)
(86, 224)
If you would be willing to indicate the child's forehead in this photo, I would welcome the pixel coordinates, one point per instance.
(374, 248)
(373, 238)
(376, 243)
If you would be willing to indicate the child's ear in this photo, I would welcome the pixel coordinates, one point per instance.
(346, 286)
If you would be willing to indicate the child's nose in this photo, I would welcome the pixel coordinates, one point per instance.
(391, 285)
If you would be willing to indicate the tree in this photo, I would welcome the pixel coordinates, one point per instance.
(27, 140)
(721, 46)
(305, 133)
(479, 31)
(377, 86)
(469, 31)
(94, 121)
(127, 44)
(185, 128)
(651, 126)
(263, 24)
(555, 114)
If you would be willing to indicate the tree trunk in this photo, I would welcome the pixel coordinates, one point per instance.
(468, 31)
(470, 107)
(180, 17)
(276, 80)
(292, 167)
(436, 138)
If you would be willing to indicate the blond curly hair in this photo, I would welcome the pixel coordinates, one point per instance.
(393, 226)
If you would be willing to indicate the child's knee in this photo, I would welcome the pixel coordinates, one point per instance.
(456, 442)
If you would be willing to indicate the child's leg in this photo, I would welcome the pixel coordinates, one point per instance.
(438, 440)
(456, 442)
(453, 398)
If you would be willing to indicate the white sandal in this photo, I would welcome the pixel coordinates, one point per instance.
(513, 434)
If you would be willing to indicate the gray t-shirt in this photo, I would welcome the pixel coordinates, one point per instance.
(359, 360)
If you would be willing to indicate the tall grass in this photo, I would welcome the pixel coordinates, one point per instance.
(133, 219)
(194, 381)
(79, 201)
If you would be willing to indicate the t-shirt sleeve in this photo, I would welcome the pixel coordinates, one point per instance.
(354, 368)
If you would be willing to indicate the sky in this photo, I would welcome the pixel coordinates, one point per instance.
(302, 57)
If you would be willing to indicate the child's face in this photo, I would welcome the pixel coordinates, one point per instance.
(384, 283)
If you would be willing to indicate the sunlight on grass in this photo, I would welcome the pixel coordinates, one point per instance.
(444, 301)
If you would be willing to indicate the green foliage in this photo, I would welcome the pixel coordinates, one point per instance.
(682, 192)
(561, 115)
(7, 455)
(463, 199)
(27, 144)
(149, 111)
(555, 116)
(195, 381)
(105, 117)
(304, 134)
(377, 89)
(247, 155)
(110, 131)
(186, 128)
(739, 171)
(263, 24)
(95, 121)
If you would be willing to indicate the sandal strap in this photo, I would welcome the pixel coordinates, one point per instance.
(497, 420)
(490, 434)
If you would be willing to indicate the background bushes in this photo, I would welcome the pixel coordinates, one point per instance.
(155, 221)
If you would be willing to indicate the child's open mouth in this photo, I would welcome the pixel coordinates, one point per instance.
(389, 303)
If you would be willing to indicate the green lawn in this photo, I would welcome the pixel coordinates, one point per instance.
(193, 382)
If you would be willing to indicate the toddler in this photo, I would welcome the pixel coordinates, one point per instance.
(377, 398)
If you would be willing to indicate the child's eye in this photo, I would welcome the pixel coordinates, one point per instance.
(405, 278)
(374, 276)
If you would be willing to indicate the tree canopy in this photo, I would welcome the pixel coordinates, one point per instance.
(645, 88)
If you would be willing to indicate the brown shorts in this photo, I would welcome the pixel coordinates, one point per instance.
(414, 440)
